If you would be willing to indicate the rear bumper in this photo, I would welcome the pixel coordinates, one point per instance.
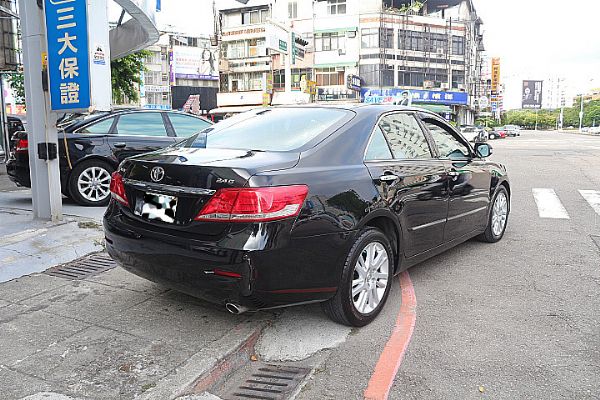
(18, 172)
(282, 272)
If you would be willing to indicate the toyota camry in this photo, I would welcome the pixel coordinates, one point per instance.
(291, 205)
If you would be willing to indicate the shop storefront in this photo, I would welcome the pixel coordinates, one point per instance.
(450, 105)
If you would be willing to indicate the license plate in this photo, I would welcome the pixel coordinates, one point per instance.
(157, 207)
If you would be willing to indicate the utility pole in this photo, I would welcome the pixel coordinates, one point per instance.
(581, 115)
(41, 123)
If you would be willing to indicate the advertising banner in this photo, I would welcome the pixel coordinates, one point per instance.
(406, 97)
(68, 54)
(495, 75)
(196, 62)
(532, 94)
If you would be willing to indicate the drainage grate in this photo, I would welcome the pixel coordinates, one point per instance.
(83, 267)
(267, 382)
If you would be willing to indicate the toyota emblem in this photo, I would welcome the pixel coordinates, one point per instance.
(157, 174)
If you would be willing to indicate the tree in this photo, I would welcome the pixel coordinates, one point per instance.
(16, 80)
(126, 76)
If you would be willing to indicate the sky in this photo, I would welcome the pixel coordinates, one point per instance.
(542, 39)
(535, 39)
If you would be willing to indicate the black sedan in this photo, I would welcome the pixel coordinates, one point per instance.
(292, 205)
(91, 148)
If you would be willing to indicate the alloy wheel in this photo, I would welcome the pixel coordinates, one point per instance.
(371, 277)
(499, 214)
(94, 184)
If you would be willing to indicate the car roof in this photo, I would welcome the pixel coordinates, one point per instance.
(364, 109)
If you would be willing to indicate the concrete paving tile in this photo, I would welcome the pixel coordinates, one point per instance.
(16, 385)
(87, 301)
(103, 364)
(27, 330)
(28, 286)
(120, 278)
(185, 325)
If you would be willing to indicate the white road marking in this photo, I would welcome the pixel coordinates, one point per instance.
(549, 205)
(593, 199)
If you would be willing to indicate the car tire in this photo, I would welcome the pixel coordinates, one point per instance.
(492, 137)
(88, 185)
(356, 310)
(497, 217)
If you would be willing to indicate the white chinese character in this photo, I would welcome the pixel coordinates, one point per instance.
(67, 42)
(69, 93)
(68, 68)
(66, 17)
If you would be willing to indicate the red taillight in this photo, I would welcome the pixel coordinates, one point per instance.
(117, 188)
(254, 204)
(22, 145)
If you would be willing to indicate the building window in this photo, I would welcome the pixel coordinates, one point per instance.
(329, 76)
(256, 48)
(246, 81)
(458, 79)
(254, 17)
(375, 38)
(335, 7)
(438, 42)
(292, 9)
(329, 41)
(458, 45)
(236, 49)
(377, 74)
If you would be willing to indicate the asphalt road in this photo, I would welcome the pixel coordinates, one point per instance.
(519, 319)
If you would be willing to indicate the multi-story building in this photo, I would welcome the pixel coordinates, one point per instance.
(430, 52)
(178, 67)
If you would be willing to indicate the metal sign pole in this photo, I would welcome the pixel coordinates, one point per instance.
(41, 123)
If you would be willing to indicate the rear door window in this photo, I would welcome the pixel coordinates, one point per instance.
(102, 127)
(405, 136)
(141, 124)
(186, 125)
(378, 148)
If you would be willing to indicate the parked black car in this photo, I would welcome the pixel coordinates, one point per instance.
(291, 205)
(91, 148)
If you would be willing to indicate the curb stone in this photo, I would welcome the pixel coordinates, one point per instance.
(209, 366)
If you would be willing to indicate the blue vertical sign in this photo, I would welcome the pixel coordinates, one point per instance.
(68, 54)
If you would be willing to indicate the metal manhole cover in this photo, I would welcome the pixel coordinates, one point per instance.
(267, 382)
(83, 267)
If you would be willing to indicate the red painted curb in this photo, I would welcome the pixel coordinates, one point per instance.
(390, 359)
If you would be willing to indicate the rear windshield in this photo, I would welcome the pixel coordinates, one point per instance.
(272, 129)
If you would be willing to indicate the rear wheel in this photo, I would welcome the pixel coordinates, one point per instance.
(89, 184)
(498, 217)
(366, 281)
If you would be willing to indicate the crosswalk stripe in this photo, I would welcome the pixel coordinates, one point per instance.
(548, 204)
(593, 199)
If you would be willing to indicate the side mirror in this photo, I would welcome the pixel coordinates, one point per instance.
(483, 150)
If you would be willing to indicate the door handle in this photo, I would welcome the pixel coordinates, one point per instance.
(120, 145)
(454, 175)
(388, 178)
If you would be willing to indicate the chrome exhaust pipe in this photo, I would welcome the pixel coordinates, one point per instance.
(235, 308)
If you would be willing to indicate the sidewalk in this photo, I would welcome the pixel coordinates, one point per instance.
(108, 336)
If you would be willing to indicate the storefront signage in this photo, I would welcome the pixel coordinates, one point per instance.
(495, 75)
(336, 94)
(354, 82)
(407, 97)
(68, 54)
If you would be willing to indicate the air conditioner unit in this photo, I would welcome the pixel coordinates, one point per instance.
(445, 86)
(441, 51)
